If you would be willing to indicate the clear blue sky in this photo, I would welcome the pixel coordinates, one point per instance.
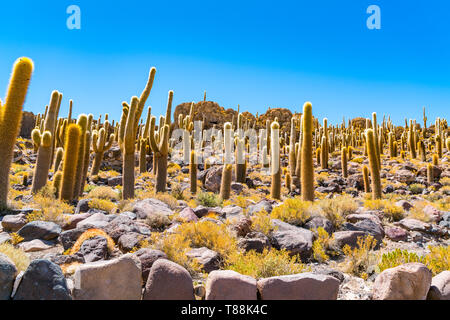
(253, 53)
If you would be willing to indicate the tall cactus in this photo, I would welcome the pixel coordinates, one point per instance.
(225, 185)
(44, 156)
(324, 147)
(160, 151)
(307, 166)
(430, 177)
(58, 158)
(373, 161)
(10, 120)
(240, 160)
(275, 191)
(193, 172)
(128, 149)
(344, 153)
(365, 171)
(71, 148)
(82, 122)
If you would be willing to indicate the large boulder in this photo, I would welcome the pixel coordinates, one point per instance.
(43, 230)
(342, 238)
(295, 241)
(151, 206)
(168, 281)
(8, 273)
(117, 279)
(230, 285)
(43, 280)
(410, 281)
(440, 287)
(147, 257)
(94, 249)
(14, 222)
(303, 286)
(122, 225)
(213, 179)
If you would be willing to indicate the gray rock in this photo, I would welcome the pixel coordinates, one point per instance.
(129, 240)
(445, 222)
(303, 286)
(230, 285)
(8, 273)
(94, 249)
(295, 241)
(35, 245)
(44, 230)
(262, 205)
(82, 206)
(147, 257)
(440, 287)
(318, 221)
(69, 237)
(4, 237)
(168, 281)
(13, 223)
(254, 241)
(208, 259)
(341, 238)
(43, 280)
(414, 225)
(373, 228)
(115, 181)
(122, 225)
(129, 214)
(146, 207)
(97, 220)
(117, 279)
(232, 211)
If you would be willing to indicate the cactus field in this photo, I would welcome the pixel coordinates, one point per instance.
(163, 206)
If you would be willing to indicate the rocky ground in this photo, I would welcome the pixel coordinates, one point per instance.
(182, 246)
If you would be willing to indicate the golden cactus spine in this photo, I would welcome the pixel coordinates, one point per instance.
(70, 162)
(307, 166)
(374, 168)
(225, 185)
(275, 192)
(193, 172)
(10, 119)
(128, 149)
